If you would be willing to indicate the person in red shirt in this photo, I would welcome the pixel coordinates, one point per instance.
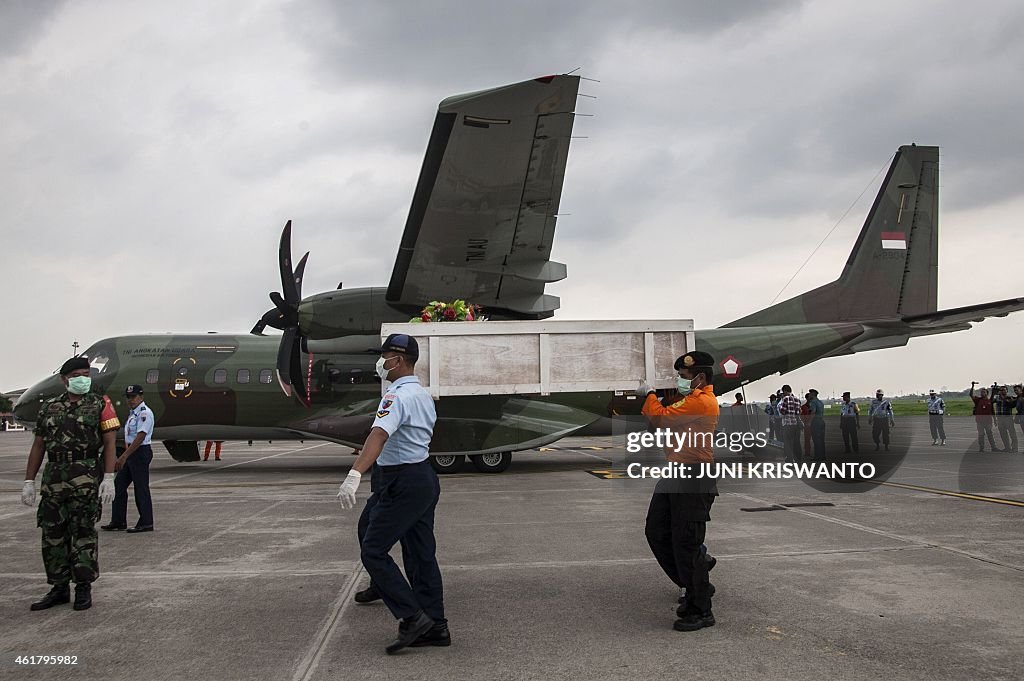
(984, 416)
(680, 508)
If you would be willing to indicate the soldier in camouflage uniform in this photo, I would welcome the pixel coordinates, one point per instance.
(72, 430)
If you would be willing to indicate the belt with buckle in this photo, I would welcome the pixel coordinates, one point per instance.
(68, 457)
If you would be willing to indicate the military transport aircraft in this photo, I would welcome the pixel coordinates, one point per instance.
(480, 227)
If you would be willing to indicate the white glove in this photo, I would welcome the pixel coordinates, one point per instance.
(643, 387)
(347, 491)
(28, 493)
(107, 490)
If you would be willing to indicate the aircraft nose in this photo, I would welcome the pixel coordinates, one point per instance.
(26, 409)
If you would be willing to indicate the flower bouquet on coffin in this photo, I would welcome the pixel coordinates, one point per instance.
(455, 311)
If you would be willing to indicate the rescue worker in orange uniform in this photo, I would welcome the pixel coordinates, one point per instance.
(680, 507)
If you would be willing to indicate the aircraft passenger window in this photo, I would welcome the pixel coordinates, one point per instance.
(220, 376)
(243, 375)
(152, 376)
(266, 376)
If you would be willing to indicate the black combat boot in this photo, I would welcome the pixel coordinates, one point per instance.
(409, 630)
(59, 594)
(438, 635)
(367, 595)
(83, 596)
(694, 620)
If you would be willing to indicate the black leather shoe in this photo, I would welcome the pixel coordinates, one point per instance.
(694, 621)
(113, 528)
(83, 596)
(409, 630)
(367, 595)
(438, 635)
(138, 528)
(711, 561)
(58, 595)
(682, 596)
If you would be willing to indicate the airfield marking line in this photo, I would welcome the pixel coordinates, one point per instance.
(337, 612)
(241, 523)
(311, 660)
(15, 514)
(959, 495)
(595, 456)
(240, 463)
(883, 533)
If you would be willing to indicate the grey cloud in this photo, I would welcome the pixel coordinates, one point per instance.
(451, 42)
(743, 128)
(22, 21)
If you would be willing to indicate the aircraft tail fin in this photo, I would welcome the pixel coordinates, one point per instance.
(892, 270)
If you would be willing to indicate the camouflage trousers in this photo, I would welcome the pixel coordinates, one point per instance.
(69, 508)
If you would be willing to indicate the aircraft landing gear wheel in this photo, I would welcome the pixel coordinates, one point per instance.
(447, 463)
(492, 463)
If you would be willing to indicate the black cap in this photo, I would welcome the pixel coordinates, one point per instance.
(812, 390)
(695, 359)
(403, 344)
(133, 390)
(846, 394)
(74, 364)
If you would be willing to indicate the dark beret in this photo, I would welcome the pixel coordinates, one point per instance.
(74, 364)
(694, 359)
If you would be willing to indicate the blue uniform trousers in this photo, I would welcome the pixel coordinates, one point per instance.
(134, 472)
(371, 501)
(404, 512)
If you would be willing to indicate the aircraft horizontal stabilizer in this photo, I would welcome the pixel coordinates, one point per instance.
(962, 315)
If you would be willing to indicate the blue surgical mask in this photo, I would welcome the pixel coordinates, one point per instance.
(79, 385)
(683, 384)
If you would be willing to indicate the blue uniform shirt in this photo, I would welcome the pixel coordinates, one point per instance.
(140, 420)
(881, 408)
(407, 414)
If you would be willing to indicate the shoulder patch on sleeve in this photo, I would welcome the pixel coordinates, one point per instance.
(385, 405)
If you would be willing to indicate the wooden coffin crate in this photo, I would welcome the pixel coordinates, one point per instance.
(544, 357)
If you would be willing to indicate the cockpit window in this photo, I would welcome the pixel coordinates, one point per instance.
(102, 359)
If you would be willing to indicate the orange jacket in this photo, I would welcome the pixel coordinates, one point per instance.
(697, 414)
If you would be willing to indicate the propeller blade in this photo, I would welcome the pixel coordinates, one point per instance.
(298, 375)
(284, 254)
(299, 271)
(285, 351)
(290, 374)
(258, 329)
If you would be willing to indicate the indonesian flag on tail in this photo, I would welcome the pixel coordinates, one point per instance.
(896, 240)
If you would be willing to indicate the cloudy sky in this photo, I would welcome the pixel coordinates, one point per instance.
(150, 153)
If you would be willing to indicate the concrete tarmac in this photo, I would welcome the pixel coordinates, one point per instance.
(252, 567)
